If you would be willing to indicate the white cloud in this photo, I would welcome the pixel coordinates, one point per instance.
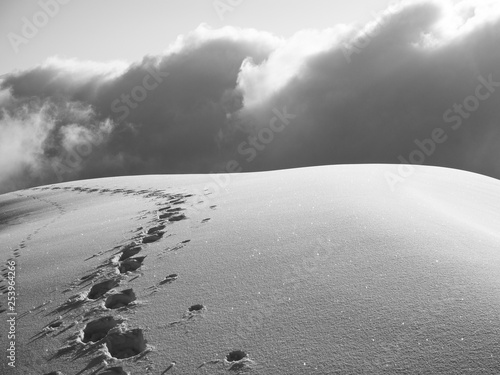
(23, 136)
(259, 81)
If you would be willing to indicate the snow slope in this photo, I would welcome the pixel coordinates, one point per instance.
(320, 270)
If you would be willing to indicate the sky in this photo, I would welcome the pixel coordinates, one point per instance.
(107, 88)
(128, 30)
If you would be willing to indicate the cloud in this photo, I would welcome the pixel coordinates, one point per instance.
(38, 137)
(21, 145)
(353, 94)
(377, 89)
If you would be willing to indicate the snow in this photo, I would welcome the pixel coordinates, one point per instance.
(319, 270)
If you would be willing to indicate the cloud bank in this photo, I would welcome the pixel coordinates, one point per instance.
(418, 83)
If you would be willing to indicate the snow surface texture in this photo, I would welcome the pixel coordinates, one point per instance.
(319, 270)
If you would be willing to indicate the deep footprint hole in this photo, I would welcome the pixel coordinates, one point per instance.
(177, 217)
(98, 290)
(126, 344)
(55, 324)
(236, 355)
(129, 252)
(196, 307)
(98, 329)
(169, 278)
(131, 264)
(121, 299)
(155, 229)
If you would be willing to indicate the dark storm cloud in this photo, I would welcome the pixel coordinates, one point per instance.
(155, 116)
(372, 102)
(343, 95)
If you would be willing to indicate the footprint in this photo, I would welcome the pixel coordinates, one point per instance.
(153, 237)
(179, 246)
(156, 229)
(174, 209)
(177, 217)
(98, 290)
(170, 212)
(237, 360)
(196, 308)
(126, 344)
(54, 325)
(129, 251)
(131, 264)
(121, 299)
(168, 279)
(236, 355)
(191, 312)
(97, 329)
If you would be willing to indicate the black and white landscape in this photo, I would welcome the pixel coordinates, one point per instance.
(270, 192)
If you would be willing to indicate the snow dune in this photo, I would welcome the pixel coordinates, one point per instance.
(320, 270)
